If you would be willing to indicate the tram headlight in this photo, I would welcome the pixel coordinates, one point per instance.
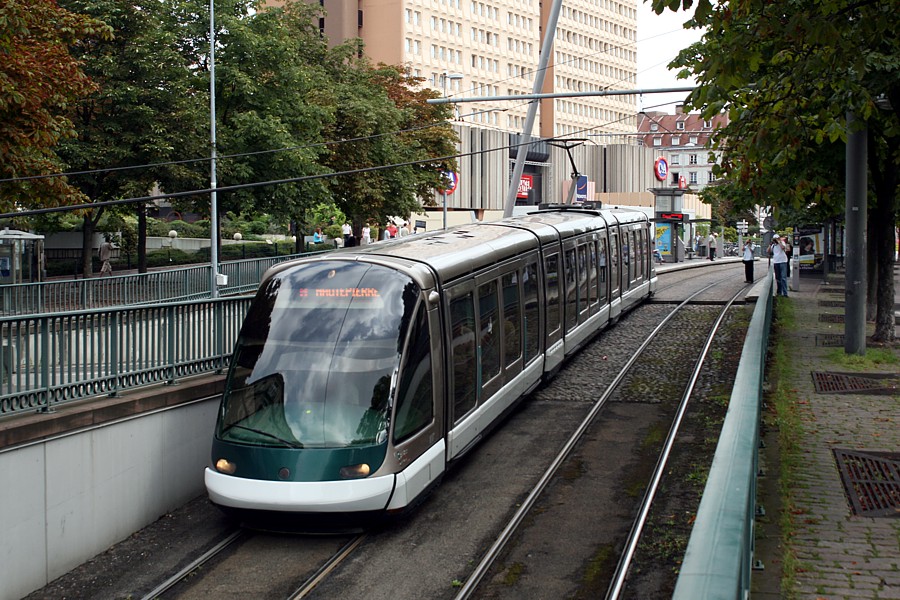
(223, 465)
(355, 471)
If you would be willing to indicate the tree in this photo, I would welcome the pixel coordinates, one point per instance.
(143, 112)
(269, 71)
(789, 73)
(39, 79)
(371, 107)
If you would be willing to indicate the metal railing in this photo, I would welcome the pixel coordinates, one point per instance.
(169, 285)
(719, 556)
(49, 359)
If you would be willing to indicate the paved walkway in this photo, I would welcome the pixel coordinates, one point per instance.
(839, 554)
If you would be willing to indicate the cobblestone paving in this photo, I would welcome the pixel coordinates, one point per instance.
(841, 555)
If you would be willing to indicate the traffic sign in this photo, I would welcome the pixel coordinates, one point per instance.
(661, 168)
(452, 179)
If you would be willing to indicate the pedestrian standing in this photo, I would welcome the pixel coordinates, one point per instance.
(712, 246)
(366, 235)
(747, 259)
(779, 261)
(347, 231)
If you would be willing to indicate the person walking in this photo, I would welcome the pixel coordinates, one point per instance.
(780, 263)
(712, 246)
(747, 259)
(106, 249)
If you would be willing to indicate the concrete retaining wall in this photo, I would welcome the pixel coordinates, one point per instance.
(64, 500)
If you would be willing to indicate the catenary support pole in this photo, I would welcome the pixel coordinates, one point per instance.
(855, 266)
(522, 151)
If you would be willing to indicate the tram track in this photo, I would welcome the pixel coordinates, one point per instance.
(432, 552)
(490, 566)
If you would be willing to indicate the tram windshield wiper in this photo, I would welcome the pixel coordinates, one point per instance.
(287, 443)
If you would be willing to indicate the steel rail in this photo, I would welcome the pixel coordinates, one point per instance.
(618, 583)
(481, 569)
(198, 562)
(340, 556)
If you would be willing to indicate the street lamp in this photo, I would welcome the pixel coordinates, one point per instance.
(445, 76)
(172, 235)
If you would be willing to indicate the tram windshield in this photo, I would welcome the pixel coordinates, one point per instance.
(317, 357)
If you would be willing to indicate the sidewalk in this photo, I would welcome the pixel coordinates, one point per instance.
(839, 552)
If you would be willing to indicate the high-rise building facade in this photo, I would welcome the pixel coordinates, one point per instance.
(484, 48)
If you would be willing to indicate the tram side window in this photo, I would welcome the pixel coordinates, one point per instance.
(571, 269)
(582, 278)
(489, 331)
(641, 243)
(614, 263)
(512, 319)
(604, 270)
(635, 255)
(626, 262)
(551, 268)
(644, 253)
(462, 323)
(532, 311)
(415, 404)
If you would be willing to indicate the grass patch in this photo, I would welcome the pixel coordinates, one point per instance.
(513, 574)
(875, 358)
(783, 406)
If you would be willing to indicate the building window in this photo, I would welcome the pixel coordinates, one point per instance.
(676, 159)
(693, 140)
(654, 126)
(707, 124)
(657, 141)
(676, 140)
(692, 159)
(679, 125)
(710, 177)
(693, 177)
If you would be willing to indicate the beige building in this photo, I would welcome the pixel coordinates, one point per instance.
(488, 48)
(483, 48)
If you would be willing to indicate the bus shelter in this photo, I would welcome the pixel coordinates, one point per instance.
(21, 257)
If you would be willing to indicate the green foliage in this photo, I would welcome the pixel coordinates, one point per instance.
(157, 228)
(787, 74)
(39, 80)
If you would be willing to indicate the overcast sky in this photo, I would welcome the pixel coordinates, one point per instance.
(660, 38)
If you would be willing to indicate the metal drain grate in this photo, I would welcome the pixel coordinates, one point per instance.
(831, 303)
(831, 318)
(829, 340)
(854, 383)
(871, 481)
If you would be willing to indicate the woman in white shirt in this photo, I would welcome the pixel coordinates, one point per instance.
(780, 262)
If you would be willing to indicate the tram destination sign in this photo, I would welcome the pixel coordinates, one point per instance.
(671, 216)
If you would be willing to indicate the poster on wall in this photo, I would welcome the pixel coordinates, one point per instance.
(664, 238)
(809, 245)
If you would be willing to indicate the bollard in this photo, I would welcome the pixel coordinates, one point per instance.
(795, 274)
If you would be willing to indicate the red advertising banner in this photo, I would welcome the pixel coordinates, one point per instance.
(525, 185)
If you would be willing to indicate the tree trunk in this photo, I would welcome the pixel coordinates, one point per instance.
(87, 246)
(142, 238)
(882, 222)
(885, 242)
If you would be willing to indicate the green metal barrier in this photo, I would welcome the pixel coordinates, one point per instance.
(49, 359)
(718, 560)
(168, 285)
